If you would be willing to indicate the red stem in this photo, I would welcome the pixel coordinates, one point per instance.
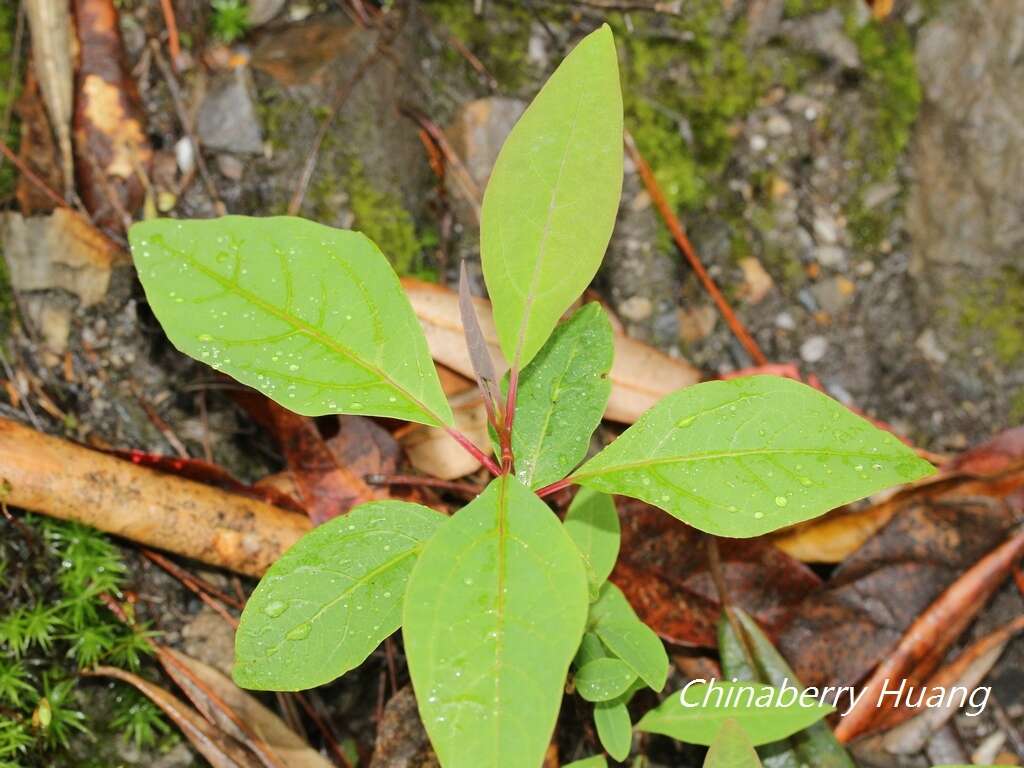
(547, 490)
(510, 414)
(471, 448)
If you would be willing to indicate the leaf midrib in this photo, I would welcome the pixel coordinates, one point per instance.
(695, 457)
(303, 327)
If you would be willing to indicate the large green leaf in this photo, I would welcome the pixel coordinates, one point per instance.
(313, 317)
(767, 714)
(561, 398)
(494, 612)
(597, 761)
(550, 205)
(615, 622)
(593, 524)
(604, 679)
(743, 457)
(815, 745)
(731, 749)
(330, 600)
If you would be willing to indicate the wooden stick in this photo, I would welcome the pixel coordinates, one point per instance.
(65, 480)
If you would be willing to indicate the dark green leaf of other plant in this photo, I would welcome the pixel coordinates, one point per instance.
(312, 316)
(550, 205)
(731, 749)
(760, 709)
(494, 613)
(561, 398)
(747, 456)
(332, 597)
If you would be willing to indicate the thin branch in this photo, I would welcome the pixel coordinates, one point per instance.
(29, 174)
(467, 489)
(683, 242)
(167, 6)
(547, 490)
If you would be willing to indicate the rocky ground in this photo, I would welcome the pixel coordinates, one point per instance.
(851, 184)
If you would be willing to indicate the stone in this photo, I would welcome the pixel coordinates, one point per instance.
(478, 131)
(813, 349)
(636, 308)
(834, 294)
(756, 281)
(697, 323)
(830, 256)
(262, 11)
(230, 167)
(826, 231)
(778, 125)
(824, 34)
(784, 321)
(227, 117)
(928, 344)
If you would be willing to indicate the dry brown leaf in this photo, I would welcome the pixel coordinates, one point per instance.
(50, 25)
(756, 281)
(219, 749)
(38, 150)
(61, 250)
(641, 375)
(215, 691)
(434, 452)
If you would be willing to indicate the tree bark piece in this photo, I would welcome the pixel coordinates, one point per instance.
(62, 479)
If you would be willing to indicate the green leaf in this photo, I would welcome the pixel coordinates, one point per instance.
(604, 679)
(747, 456)
(767, 714)
(593, 524)
(614, 728)
(731, 749)
(561, 398)
(590, 648)
(597, 761)
(331, 599)
(311, 316)
(736, 666)
(815, 745)
(615, 622)
(550, 205)
(494, 612)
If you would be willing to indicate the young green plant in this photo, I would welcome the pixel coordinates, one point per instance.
(498, 601)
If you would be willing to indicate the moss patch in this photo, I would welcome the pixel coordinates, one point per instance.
(876, 143)
(8, 20)
(996, 308)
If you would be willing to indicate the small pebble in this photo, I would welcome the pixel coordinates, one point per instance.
(814, 349)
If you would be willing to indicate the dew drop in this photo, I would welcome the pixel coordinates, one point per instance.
(805, 481)
(859, 468)
(780, 501)
(876, 467)
(686, 421)
(205, 337)
(275, 608)
(758, 515)
(300, 632)
(732, 508)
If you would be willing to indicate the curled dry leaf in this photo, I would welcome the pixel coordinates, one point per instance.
(641, 375)
(111, 148)
(926, 641)
(434, 452)
(62, 479)
(882, 588)
(663, 570)
(239, 714)
(906, 733)
(216, 746)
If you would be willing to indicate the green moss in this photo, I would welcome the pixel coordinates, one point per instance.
(875, 144)
(383, 219)
(995, 307)
(793, 9)
(500, 39)
(691, 70)
(6, 302)
(8, 20)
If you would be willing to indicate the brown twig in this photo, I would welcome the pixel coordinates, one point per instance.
(200, 584)
(684, 245)
(29, 174)
(966, 596)
(173, 43)
(179, 108)
(464, 181)
(467, 489)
